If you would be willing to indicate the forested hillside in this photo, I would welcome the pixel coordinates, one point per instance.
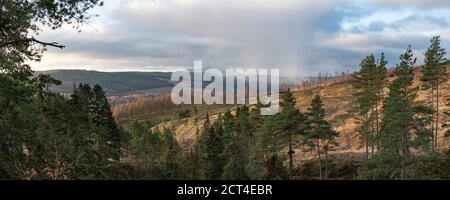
(361, 134)
(43, 134)
(378, 123)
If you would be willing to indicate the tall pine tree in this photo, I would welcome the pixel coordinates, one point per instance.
(290, 123)
(403, 124)
(109, 132)
(236, 138)
(320, 133)
(434, 73)
(362, 83)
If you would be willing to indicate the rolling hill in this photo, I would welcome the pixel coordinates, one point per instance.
(114, 83)
(127, 83)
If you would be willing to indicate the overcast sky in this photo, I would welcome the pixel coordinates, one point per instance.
(300, 37)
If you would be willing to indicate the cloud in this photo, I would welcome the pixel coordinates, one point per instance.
(416, 3)
(300, 37)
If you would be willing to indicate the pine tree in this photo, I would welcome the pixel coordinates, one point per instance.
(434, 73)
(42, 135)
(362, 83)
(320, 134)
(190, 165)
(21, 20)
(403, 124)
(201, 146)
(18, 122)
(82, 130)
(398, 107)
(192, 160)
(290, 123)
(212, 150)
(54, 145)
(228, 133)
(44, 81)
(256, 167)
(170, 155)
(369, 84)
(146, 148)
(236, 145)
(215, 148)
(379, 84)
(102, 116)
(266, 161)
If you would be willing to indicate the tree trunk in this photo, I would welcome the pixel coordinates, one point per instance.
(320, 160)
(291, 165)
(326, 162)
(347, 138)
(433, 138)
(437, 114)
(373, 131)
(367, 149)
(366, 136)
(377, 124)
(406, 141)
(402, 170)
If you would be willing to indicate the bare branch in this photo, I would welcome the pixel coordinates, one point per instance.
(33, 40)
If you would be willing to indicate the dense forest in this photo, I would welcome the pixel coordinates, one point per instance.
(47, 135)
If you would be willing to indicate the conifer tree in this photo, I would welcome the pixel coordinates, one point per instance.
(192, 160)
(215, 148)
(228, 133)
(398, 108)
(170, 155)
(362, 83)
(403, 124)
(379, 84)
(212, 150)
(320, 134)
(190, 165)
(434, 73)
(369, 84)
(146, 147)
(266, 161)
(18, 122)
(55, 143)
(42, 135)
(103, 118)
(201, 145)
(84, 142)
(236, 145)
(290, 123)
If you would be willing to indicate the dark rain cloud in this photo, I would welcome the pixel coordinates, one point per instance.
(301, 37)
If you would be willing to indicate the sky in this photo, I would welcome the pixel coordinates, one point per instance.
(300, 37)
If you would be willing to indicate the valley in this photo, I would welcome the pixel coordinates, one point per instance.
(338, 102)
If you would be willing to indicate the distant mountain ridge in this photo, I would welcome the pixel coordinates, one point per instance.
(114, 83)
(126, 83)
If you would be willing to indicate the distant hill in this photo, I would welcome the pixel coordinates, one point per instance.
(114, 83)
(126, 83)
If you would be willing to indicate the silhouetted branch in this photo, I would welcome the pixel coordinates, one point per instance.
(33, 40)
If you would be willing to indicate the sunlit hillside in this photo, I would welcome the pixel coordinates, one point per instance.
(338, 100)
